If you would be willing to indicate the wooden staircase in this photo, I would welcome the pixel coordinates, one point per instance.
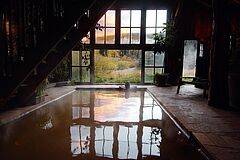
(52, 46)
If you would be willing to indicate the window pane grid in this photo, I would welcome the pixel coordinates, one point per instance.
(155, 22)
(161, 18)
(130, 22)
(130, 33)
(106, 35)
(110, 18)
(154, 63)
(125, 35)
(125, 18)
(80, 66)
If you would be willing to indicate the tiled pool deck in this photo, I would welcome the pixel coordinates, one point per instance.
(217, 130)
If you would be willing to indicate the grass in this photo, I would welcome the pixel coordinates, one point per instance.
(116, 69)
(114, 77)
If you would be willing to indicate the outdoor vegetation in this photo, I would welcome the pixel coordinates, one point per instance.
(61, 72)
(117, 66)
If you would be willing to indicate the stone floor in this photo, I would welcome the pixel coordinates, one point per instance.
(217, 130)
(52, 94)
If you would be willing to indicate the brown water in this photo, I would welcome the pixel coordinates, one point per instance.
(97, 124)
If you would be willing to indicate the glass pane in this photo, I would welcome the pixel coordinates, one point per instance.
(149, 146)
(153, 112)
(125, 35)
(125, 18)
(135, 35)
(102, 21)
(161, 18)
(117, 66)
(189, 58)
(151, 18)
(75, 145)
(85, 74)
(81, 99)
(149, 73)
(100, 36)
(201, 50)
(86, 39)
(85, 98)
(136, 18)
(104, 141)
(160, 29)
(76, 74)
(85, 58)
(75, 112)
(149, 58)
(79, 135)
(110, 18)
(85, 112)
(149, 35)
(159, 59)
(75, 58)
(159, 70)
(127, 142)
(110, 35)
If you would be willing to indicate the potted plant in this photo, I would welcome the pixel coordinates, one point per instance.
(164, 40)
(39, 95)
(161, 79)
(60, 74)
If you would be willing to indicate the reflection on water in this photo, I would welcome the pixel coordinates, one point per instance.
(96, 125)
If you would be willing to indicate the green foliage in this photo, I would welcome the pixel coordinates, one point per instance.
(61, 72)
(104, 64)
(115, 67)
(128, 62)
(165, 38)
(161, 79)
(187, 79)
(41, 87)
(121, 65)
(148, 78)
(132, 78)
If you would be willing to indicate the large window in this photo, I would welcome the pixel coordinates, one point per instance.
(154, 63)
(106, 34)
(81, 66)
(121, 48)
(117, 66)
(130, 26)
(155, 22)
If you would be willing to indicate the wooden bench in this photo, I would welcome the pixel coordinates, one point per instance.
(198, 82)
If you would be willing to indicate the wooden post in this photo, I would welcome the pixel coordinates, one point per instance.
(218, 71)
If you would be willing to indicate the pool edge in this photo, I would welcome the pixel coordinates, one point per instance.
(183, 129)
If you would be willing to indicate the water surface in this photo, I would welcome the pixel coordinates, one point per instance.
(96, 124)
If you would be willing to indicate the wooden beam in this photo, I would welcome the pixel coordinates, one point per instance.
(218, 71)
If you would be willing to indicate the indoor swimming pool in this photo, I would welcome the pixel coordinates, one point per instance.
(97, 124)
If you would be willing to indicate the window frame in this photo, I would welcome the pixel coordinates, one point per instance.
(143, 46)
(104, 28)
(130, 27)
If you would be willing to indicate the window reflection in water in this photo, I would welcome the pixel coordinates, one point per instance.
(107, 124)
(96, 125)
(104, 141)
(79, 139)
